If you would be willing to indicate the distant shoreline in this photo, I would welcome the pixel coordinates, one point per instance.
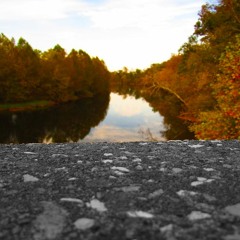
(24, 106)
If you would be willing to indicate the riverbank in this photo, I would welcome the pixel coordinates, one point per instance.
(142, 190)
(24, 106)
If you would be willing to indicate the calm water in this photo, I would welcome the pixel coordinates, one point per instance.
(103, 118)
(128, 119)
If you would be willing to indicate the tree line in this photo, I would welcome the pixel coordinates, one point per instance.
(204, 75)
(27, 74)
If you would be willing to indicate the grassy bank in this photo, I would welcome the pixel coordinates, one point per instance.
(13, 107)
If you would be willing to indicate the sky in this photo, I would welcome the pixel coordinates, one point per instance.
(123, 33)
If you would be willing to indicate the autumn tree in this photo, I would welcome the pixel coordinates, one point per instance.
(218, 24)
(101, 76)
(8, 69)
(88, 76)
(55, 78)
(27, 74)
(28, 68)
(191, 74)
(224, 121)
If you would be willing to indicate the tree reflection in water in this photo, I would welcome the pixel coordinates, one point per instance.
(68, 122)
(72, 122)
(168, 106)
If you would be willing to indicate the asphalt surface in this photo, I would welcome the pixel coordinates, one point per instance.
(144, 190)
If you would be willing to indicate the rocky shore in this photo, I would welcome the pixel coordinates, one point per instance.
(176, 190)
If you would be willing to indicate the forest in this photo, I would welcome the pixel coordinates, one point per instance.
(31, 75)
(204, 75)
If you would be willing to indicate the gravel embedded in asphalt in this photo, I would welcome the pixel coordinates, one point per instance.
(141, 190)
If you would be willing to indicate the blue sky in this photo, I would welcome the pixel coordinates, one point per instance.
(131, 33)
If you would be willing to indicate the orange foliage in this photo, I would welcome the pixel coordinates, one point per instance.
(224, 121)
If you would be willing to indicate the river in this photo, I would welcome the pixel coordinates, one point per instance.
(113, 117)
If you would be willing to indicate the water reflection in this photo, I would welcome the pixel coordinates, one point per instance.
(167, 105)
(138, 117)
(170, 107)
(64, 123)
(128, 119)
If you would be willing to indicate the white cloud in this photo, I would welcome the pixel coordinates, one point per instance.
(132, 33)
(112, 133)
(38, 9)
(117, 134)
(129, 107)
(142, 14)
